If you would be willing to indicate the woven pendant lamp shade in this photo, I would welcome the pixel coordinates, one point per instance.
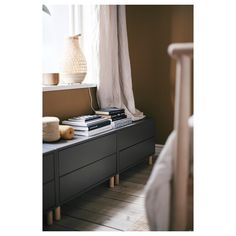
(73, 67)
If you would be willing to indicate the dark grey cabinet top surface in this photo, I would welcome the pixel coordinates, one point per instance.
(61, 144)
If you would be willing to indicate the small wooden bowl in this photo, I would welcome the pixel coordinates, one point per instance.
(50, 78)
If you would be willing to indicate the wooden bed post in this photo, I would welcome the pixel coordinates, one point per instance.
(182, 52)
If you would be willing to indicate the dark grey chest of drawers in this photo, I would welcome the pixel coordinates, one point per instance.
(49, 200)
(71, 167)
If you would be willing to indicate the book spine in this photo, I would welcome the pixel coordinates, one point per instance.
(121, 123)
(93, 132)
(100, 130)
(99, 125)
(114, 116)
(70, 122)
(118, 117)
(120, 114)
(92, 126)
(74, 122)
(115, 112)
(86, 118)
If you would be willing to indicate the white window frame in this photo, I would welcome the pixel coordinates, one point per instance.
(75, 26)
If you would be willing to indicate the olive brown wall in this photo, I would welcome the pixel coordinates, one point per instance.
(68, 103)
(150, 30)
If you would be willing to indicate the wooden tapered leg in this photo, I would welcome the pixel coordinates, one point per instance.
(57, 213)
(150, 160)
(50, 218)
(112, 182)
(117, 179)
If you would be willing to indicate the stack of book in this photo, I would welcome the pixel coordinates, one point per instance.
(116, 115)
(88, 125)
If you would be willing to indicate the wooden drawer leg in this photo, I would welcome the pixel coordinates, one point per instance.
(117, 179)
(50, 218)
(57, 213)
(150, 160)
(112, 180)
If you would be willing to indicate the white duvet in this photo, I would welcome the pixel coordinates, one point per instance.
(158, 188)
(157, 198)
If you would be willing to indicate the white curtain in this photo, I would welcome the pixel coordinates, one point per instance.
(90, 41)
(110, 57)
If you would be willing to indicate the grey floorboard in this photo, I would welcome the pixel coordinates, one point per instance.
(109, 209)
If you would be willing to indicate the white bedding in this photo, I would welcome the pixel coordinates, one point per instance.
(157, 199)
(158, 188)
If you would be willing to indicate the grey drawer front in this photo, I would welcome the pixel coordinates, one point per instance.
(135, 154)
(78, 156)
(48, 195)
(135, 134)
(83, 178)
(48, 168)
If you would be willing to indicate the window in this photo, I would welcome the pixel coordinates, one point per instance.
(55, 29)
(64, 21)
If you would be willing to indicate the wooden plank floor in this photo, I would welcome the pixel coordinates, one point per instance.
(108, 209)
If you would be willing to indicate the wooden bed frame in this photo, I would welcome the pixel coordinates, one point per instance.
(183, 53)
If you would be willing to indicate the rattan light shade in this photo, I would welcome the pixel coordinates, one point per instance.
(73, 67)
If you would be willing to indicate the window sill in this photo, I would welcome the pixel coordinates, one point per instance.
(47, 88)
